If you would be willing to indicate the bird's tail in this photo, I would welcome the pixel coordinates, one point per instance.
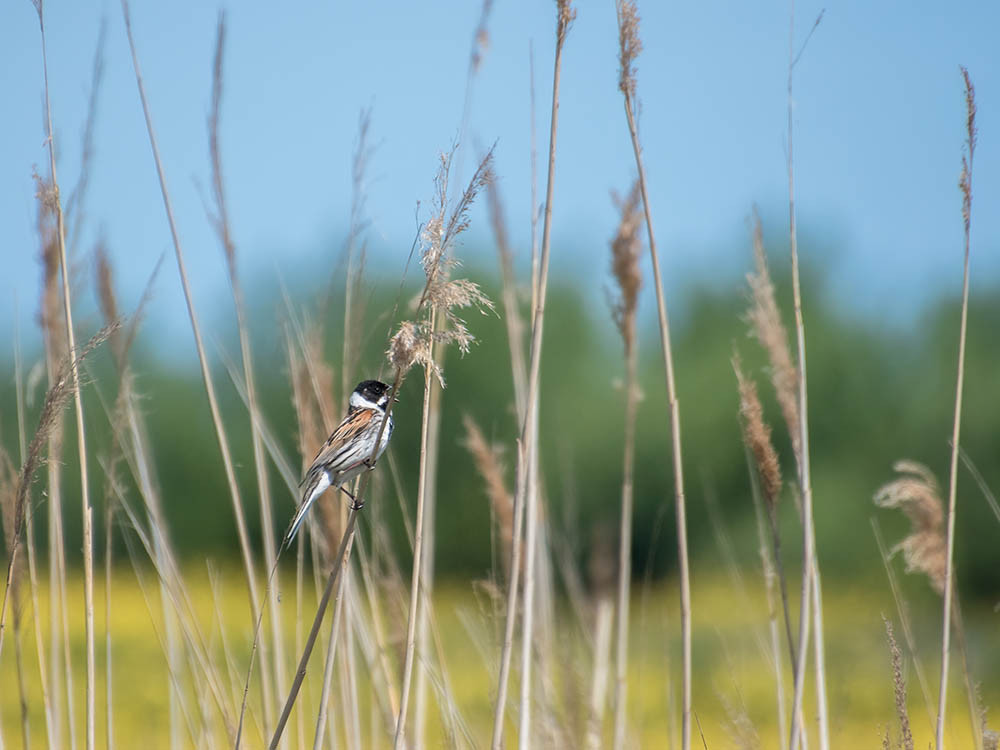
(316, 483)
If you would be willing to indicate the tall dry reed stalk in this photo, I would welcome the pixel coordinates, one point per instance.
(564, 18)
(766, 485)
(234, 493)
(430, 458)
(629, 47)
(8, 495)
(54, 340)
(55, 400)
(88, 543)
(222, 227)
(29, 544)
(965, 186)
(436, 324)
(625, 249)
(811, 609)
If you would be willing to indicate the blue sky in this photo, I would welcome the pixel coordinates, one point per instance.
(878, 135)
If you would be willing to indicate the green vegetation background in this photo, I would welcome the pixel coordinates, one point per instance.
(877, 392)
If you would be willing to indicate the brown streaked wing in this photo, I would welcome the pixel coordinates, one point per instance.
(347, 431)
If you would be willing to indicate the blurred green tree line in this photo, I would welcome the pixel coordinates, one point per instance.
(876, 394)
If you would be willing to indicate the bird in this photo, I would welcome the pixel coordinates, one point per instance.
(348, 451)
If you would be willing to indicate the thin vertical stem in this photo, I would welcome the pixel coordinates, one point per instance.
(530, 574)
(108, 707)
(675, 436)
(564, 18)
(223, 229)
(427, 556)
(227, 461)
(810, 603)
(324, 602)
(86, 508)
(418, 540)
(29, 543)
(625, 542)
(331, 653)
(949, 582)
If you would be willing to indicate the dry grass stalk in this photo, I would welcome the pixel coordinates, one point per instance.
(629, 46)
(487, 458)
(8, 492)
(29, 543)
(625, 249)
(222, 227)
(965, 186)
(216, 415)
(767, 327)
(132, 442)
(54, 339)
(811, 610)
(529, 424)
(55, 400)
(86, 509)
(899, 688)
(602, 574)
(437, 324)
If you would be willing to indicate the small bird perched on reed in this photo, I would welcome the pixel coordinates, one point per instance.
(348, 451)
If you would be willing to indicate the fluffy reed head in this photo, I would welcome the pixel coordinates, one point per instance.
(629, 45)
(917, 494)
(757, 437)
(625, 249)
(435, 319)
(766, 326)
(566, 14)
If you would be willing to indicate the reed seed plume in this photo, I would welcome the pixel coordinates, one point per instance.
(565, 18)
(917, 494)
(972, 133)
(488, 462)
(899, 687)
(767, 327)
(55, 399)
(629, 45)
(625, 249)
(757, 437)
(413, 343)
(58, 395)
